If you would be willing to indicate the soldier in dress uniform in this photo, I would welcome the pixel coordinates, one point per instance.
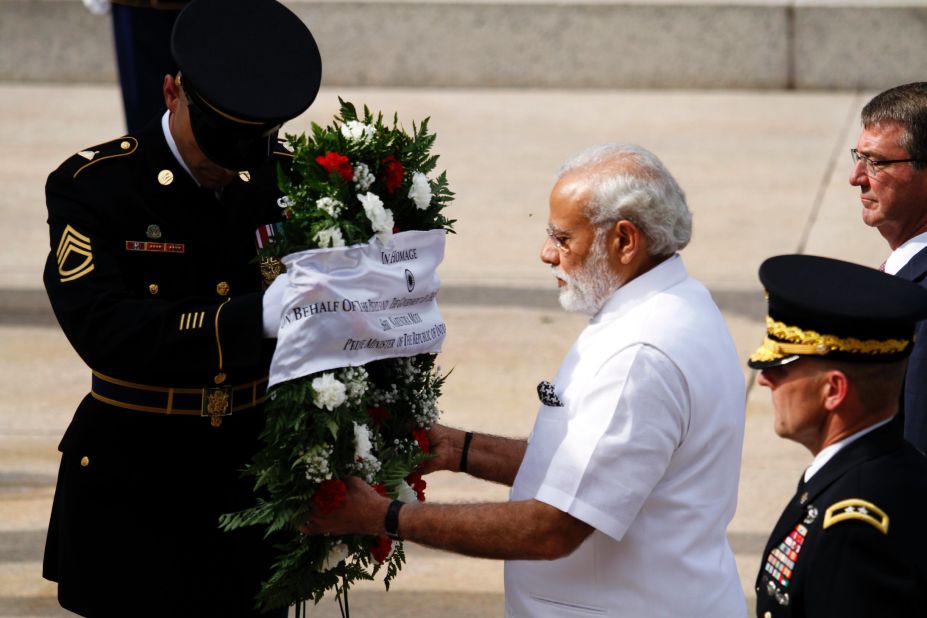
(153, 277)
(851, 541)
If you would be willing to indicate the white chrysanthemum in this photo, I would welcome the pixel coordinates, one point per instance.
(355, 130)
(329, 205)
(284, 202)
(336, 555)
(381, 219)
(330, 237)
(362, 177)
(405, 493)
(362, 446)
(329, 392)
(420, 191)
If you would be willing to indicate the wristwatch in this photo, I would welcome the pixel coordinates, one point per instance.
(391, 521)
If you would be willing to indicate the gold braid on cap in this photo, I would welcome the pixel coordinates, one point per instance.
(809, 342)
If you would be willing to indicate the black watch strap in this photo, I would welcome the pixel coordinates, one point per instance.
(391, 521)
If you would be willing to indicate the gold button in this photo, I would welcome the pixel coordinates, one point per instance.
(153, 288)
(84, 461)
(125, 145)
(220, 378)
(245, 176)
(222, 288)
(165, 177)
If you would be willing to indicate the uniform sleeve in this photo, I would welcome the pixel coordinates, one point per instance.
(619, 441)
(857, 571)
(120, 332)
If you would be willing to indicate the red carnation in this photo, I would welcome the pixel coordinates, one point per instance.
(381, 548)
(334, 162)
(380, 488)
(418, 485)
(378, 415)
(421, 436)
(394, 173)
(330, 495)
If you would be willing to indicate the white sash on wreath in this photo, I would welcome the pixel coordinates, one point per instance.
(347, 306)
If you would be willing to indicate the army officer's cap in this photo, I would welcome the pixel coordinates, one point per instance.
(826, 308)
(246, 66)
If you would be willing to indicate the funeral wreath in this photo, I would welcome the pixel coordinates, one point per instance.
(354, 183)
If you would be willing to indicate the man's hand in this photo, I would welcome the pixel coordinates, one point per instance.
(445, 446)
(273, 306)
(363, 512)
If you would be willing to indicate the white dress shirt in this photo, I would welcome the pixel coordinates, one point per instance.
(903, 254)
(646, 449)
(827, 453)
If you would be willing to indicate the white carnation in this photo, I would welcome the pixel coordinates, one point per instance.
(336, 555)
(330, 237)
(362, 177)
(355, 130)
(405, 493)
(420, 191)
(284, 202)
(381, 219)
(329, 205)
(362, 446)
(329, 392)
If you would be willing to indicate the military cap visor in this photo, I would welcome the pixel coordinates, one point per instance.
(247, 67)
(826, 308)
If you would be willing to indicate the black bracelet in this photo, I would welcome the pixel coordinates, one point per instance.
(466, 449)
(391, 521)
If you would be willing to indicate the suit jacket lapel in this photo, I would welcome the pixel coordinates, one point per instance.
(916, 267)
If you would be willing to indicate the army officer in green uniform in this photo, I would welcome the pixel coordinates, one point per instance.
(153, 277)
(851, 541)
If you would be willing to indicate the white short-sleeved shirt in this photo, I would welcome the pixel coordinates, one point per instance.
(646, 449)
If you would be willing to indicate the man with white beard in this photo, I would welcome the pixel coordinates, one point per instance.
(622, 495)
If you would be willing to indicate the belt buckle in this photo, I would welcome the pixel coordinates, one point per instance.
(217, 402)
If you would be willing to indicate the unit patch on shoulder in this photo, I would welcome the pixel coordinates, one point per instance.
(75, 256)
(856, 509)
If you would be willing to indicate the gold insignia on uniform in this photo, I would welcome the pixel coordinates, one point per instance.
(106, 151)
(245, 176)
(74, 243)
(165, 177)
(859, 510)
(270, 269)
(222, 288)
(217, 402)
(153, 288)
(153, 232)
(190, 321)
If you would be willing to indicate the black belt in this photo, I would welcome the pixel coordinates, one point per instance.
(213, 402)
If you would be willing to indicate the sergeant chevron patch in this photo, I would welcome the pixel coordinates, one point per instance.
(859, 510)
(75, 256)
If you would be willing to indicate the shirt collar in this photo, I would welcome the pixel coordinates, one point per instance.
(826, 454)
(903, 254)
(166, 127)
(662, 276)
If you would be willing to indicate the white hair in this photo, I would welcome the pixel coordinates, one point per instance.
(631, 183)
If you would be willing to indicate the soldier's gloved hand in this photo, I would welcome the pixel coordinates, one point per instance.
(97, 7)
(273, 306)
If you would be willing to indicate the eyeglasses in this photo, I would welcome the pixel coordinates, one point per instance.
(872, 165)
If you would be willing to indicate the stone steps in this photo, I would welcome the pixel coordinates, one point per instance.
(739, 44)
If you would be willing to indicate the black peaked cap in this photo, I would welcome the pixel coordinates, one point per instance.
(828, 308)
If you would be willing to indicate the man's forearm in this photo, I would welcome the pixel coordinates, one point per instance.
(526, 530)
(492, 458)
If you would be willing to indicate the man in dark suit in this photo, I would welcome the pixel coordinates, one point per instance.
(153, 277)
(851, 540)
(890, 168)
